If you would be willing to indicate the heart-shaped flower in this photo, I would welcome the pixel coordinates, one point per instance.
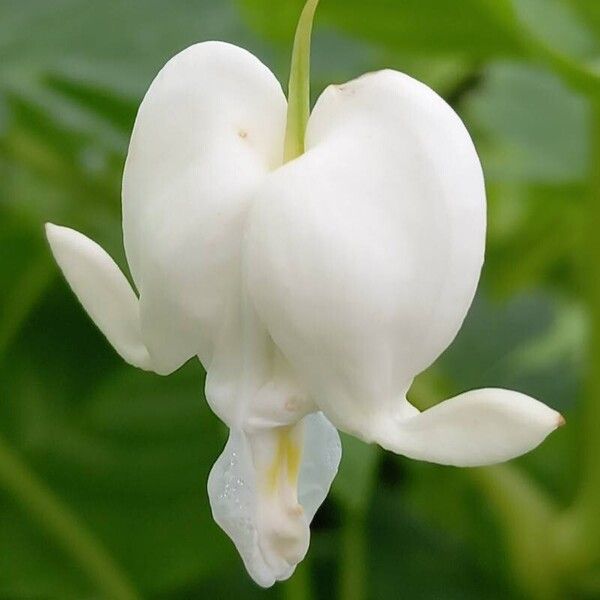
(313, 289)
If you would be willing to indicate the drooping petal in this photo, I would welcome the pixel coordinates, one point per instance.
(208, 131)
(103, 291)
(266, 524)
(364, 253)
(232, 494)
(479, 427)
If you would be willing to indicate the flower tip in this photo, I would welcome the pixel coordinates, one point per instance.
(52, 231)
(560, 421)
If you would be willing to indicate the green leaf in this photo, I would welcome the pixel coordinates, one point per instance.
(535, 127)
(467, 29)
(559, 26)
(127, 452)
(25, 274)
(411, 556)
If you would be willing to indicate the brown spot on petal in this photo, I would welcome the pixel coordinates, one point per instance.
(292, 403)
(561, 421)
(243, 133)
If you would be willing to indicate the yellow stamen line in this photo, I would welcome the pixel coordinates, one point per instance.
(287, 457)
(275, 468)
(293, 454)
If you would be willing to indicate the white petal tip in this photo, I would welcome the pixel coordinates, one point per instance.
(63, 240)
(52, 232)
(477, 428)
(102, 289)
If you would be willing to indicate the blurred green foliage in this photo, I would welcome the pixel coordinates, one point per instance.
(124, 455)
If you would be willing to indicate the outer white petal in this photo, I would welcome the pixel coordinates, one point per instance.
(102, 289)
(479, 427)
(363, 254)
(235, 498)
(208, 131)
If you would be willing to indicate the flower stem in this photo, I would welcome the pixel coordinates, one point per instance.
(299, 85)
(526, 517)
(55, 518)
(299, 586)
(353, 561)
(590, 492)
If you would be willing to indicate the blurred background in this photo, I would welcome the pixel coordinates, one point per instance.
(103, 468)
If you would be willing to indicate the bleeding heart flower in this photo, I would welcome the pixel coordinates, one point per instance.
(314, 273)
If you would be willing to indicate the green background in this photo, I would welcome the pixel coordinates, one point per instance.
(103, 468)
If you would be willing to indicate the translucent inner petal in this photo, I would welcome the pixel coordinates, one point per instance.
(265, 489)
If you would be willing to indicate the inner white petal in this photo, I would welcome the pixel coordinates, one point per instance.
(266, 487)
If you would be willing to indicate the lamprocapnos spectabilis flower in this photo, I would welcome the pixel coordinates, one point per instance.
(314, 265)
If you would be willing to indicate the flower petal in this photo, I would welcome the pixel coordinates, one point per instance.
(233, 498)
(269, 532)
(320, 461)
(364, 253)
(209, 129)
(103, 291)
(479, 427)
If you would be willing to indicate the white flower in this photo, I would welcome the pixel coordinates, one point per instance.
(313, 292)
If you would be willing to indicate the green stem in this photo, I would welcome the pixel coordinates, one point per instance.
(527, 518)
(353, 561)
(590, 436)
(299, 586)
(299, 85)
(47, 509)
